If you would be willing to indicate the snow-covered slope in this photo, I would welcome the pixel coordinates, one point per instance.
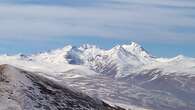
(125, 74)
(120, 61)
(22, 90)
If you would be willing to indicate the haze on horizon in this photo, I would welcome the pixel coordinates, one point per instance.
(163, 27)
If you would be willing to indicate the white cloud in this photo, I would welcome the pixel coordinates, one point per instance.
(126, 19)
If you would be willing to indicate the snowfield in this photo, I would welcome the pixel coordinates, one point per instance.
(125, 75)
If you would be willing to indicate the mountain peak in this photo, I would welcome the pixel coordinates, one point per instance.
(134, 44)
(67, 47)
(179, 57)
(87, 46)
(136, 49)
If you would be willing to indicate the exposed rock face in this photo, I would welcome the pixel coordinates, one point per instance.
(22, 90)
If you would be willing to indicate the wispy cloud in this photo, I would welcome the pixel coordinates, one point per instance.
(139, 20)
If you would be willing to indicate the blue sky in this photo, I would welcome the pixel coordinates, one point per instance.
(165, 28)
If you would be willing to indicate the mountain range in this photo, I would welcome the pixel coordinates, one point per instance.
(125, 75)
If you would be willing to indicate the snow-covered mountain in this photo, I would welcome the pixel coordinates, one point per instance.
(120, 61)
(124, 75)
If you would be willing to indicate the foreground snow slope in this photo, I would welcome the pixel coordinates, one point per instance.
(22, 90)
